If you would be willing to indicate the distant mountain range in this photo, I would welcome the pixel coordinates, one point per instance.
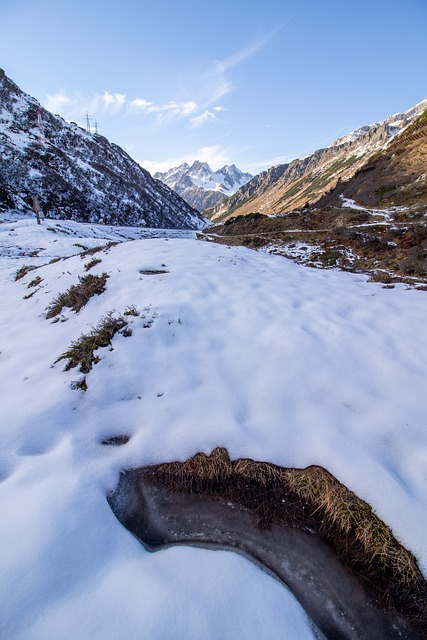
(305, 180)
(202, 187)
(75, 174)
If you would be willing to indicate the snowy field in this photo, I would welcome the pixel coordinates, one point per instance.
(232, 348)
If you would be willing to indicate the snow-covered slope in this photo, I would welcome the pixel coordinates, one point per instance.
(231, 347)
(200, 186)
(75, 174)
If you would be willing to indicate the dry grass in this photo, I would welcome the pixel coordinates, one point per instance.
(22, 271)
(312, 499)
(92, 263)
(35, 282)
(78, 295)
(93, 250)
(347, 239)
(81, 352)
(131, 310)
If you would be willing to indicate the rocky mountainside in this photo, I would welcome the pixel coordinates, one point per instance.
(200, 186)
(303, 181)
(375, 222)
(395, 177)
(75, 174)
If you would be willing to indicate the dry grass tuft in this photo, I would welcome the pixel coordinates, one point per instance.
(131, 310)
(312, 499)
(81, 353)
(78, 295)
(22, 271)
(102, 247)
(92, 263)
(35, 282)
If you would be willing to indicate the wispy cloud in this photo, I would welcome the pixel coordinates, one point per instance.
(139, 104)
(58, 102)
(73, 106)
(113, 102)
(247, 52)
(217, 81)
(206, 90)
(201, 119)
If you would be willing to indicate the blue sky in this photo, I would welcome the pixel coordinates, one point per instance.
(254, 83)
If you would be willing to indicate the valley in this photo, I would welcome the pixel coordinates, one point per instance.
(216, 360)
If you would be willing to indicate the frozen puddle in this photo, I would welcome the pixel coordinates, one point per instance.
(339, 605)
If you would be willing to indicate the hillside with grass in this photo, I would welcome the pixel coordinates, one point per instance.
(395, 177)
(305, 180)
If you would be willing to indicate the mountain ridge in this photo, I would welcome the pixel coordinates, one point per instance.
(305, 180)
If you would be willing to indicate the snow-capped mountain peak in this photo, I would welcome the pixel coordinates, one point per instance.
(202, 187)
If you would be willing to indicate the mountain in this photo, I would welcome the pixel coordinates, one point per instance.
(395, 177)
(374, 222)
(200, 186)
(75, 174)
(304, 180)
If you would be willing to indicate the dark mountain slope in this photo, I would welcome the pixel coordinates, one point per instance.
(75, 174)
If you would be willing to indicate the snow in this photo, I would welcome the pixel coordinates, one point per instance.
(233, 348)
(216, 180)
(395, 123)
(351, 204)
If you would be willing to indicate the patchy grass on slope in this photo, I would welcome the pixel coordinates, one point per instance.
(81, 352)
(78, 295)
(22, 271)
(92, 263)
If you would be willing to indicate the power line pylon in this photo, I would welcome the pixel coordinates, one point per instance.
(88, 119)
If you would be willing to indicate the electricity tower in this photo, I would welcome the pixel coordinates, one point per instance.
(88, 119)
